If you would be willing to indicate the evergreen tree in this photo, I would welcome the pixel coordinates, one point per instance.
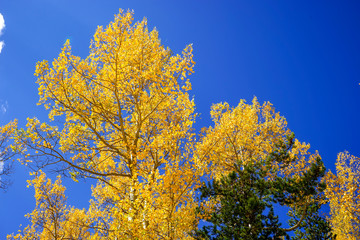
(314, 226)
(245, 199)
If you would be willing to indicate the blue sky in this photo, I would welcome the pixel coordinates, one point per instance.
(301, 56)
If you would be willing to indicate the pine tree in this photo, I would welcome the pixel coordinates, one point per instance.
(245, 199)
(314, 226)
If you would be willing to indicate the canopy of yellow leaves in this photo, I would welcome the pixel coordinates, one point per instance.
(126, 121)
(248, 132)
(343, 194)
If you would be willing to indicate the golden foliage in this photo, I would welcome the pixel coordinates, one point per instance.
(248, 132)
(343, 194)
(127, 122)
(51, 218)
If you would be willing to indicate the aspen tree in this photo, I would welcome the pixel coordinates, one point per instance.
(343, 194)
(124, 117)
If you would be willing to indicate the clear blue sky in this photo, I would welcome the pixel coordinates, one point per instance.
(301, 56)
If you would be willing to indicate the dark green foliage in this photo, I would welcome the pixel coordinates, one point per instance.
(314, 226)
(247, 197)
(243, 197)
